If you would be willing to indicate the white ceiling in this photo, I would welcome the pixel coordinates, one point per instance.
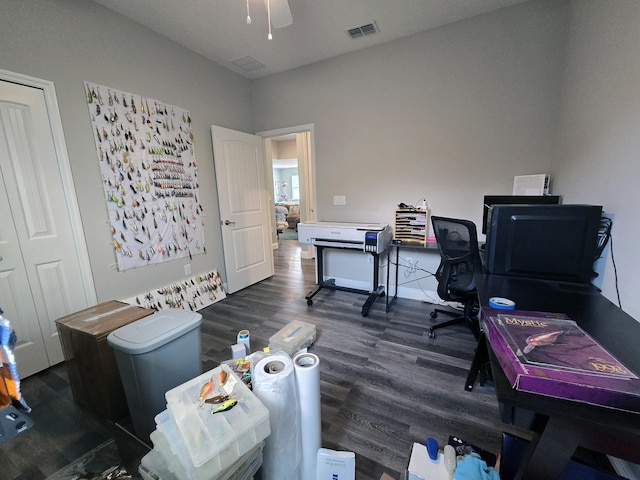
(217, 29)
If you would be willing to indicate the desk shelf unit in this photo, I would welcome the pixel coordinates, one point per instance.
(411, 226)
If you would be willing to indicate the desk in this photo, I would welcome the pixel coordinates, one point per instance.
(563, 425)
(430, 246)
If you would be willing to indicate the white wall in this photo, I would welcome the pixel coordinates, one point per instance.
(598, 142)
(451, 115)
(72, 41)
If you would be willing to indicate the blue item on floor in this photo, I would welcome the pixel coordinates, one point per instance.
(472, 467)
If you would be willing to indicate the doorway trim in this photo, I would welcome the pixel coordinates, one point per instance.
(310, 194)
(64, 166)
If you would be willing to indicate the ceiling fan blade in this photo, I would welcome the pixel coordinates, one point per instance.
(280, 13)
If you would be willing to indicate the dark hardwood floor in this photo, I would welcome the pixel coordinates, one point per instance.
(384, 383)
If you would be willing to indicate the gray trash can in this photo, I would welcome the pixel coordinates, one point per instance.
(154, 355)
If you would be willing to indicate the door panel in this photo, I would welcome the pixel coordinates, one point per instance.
(41, 276)
(244, 213)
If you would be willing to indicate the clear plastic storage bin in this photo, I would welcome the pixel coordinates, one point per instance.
(217, 441)
(293, 337)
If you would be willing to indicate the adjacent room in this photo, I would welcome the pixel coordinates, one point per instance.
(252, 164)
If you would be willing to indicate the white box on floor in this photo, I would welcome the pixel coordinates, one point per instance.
(421, 467)
(335, 465)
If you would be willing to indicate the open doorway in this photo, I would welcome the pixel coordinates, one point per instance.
(286, 186)
(289, 155)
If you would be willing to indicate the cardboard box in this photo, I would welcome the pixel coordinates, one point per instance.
(93, 371)
(511, 335)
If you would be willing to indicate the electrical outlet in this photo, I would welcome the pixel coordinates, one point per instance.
(187, 269)
(339, 200)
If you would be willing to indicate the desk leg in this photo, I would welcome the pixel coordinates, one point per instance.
(549, 453)
(479, 359)
(387, 285)
(392, 298)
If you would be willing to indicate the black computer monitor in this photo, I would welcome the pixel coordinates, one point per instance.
(554, 242)
(492, 200)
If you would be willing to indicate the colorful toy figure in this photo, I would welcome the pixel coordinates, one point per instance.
(223, 407)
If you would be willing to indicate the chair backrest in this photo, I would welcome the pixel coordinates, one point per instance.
(459, 256)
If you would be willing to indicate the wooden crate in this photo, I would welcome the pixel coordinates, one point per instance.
(411, 225)
(93, 372)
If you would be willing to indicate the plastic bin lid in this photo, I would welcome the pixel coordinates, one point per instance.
(154, 331)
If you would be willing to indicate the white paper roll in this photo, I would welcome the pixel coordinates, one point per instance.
(274, 384)
(307, 368)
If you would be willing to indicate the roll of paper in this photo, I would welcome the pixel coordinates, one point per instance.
(274, 383)
(244, 338)
(307, 368)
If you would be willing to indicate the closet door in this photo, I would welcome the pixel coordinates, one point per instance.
(41, 278)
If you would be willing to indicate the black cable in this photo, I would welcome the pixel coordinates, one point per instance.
(604, 234)
(615, 273)
(406, 265)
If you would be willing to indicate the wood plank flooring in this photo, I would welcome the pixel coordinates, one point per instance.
(384, 383)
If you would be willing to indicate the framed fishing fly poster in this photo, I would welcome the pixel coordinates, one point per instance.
(149, 175)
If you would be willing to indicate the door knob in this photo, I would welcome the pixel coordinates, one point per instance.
(227, 222)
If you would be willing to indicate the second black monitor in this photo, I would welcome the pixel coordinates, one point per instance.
(491, 200)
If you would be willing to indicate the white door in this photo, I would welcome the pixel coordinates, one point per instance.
(244, 213)
(42, 277)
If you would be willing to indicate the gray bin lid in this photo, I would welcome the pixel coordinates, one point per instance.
(154, 331)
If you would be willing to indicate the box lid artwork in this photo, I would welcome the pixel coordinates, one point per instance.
(549, 354)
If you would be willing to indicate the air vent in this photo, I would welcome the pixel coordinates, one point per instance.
(248, 64)
(363, 30)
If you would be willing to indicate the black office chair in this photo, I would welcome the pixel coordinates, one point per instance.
(459, 260)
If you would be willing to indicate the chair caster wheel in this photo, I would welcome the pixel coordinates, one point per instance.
(432, 334)
(433, 314)
(309, 302)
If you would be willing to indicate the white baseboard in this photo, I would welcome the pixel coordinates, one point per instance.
(427, 296)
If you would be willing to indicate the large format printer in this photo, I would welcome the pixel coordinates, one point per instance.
(373, 238)
(370, 237)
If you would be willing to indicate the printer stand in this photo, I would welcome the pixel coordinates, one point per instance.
(378, 291)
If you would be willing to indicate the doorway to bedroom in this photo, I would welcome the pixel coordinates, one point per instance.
(286, 187)
(289, 155)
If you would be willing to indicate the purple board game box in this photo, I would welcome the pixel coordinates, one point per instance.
(549, 354)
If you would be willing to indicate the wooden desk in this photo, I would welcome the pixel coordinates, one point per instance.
(563, 425)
